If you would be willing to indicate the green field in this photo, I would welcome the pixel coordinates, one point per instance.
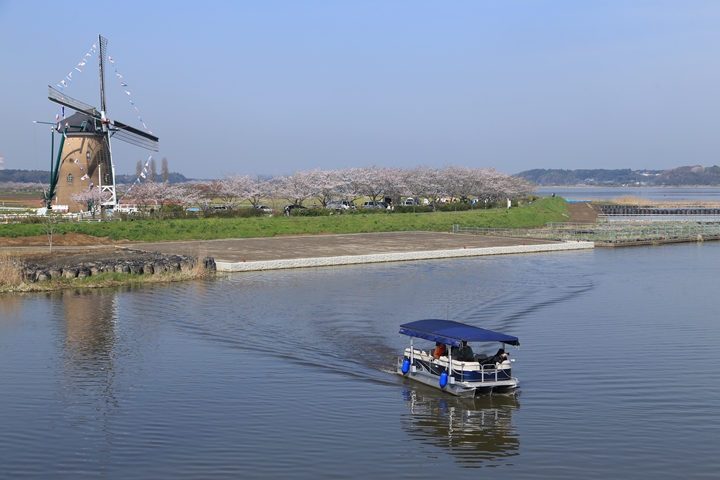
(535, 214)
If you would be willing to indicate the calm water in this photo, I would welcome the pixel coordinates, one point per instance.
(659, 194)
(288, 374)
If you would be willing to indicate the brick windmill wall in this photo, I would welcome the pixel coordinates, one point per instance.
(80, 164)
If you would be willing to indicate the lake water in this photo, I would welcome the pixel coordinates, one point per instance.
(655, 194)
(289, 374)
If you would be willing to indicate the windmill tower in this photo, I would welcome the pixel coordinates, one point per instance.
(84, 157)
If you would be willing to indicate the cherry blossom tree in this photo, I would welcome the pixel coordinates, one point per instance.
(420, 182)
(153, 193)
(92, 197)
(327, 185)
(369, 181)
(234, 189)
(429, 184)
(296, 187)
(259, 189)
(22, 187)
(351, 180)
(458, 182)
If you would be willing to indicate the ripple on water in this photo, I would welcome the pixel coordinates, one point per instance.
(291, 373)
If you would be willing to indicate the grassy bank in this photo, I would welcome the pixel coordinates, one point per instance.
(536, 214)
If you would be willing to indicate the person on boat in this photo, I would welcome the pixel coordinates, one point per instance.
(499, 357)
(440, 350)
(465, 353)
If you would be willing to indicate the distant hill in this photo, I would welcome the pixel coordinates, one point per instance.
(25, 176)
(696, 175)
(40, 176)
(591, 177)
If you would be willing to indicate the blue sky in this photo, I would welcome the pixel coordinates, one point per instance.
(275, 87)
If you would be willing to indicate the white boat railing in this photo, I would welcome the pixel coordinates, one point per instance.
(456, 366)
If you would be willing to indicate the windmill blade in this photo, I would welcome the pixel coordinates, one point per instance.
(77, 105)
(102, 41)
(134, 136)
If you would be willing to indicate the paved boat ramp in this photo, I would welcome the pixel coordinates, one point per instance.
(252, 254)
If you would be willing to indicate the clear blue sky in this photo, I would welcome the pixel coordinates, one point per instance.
(275, 87)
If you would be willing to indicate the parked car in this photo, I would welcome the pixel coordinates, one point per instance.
(340, 205)
(264, 208)
(372, 205)
(410, 202)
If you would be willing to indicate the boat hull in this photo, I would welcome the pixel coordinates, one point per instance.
(468, 379)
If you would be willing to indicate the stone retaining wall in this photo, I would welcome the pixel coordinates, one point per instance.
(149, 264)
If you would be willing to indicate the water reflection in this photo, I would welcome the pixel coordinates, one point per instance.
(88, 333)
(478, 432)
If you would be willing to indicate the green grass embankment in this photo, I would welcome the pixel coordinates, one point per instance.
(536, 214)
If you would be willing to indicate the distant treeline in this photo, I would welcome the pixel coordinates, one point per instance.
(43, 176)
(25, 176)
(687, 176)
(172, 178)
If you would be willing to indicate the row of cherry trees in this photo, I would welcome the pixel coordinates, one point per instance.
(454, 182)
(22, 186)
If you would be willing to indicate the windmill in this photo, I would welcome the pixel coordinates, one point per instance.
(84, 158)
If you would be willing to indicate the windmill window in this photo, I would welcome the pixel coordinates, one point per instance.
(70, 178)
(87, 154)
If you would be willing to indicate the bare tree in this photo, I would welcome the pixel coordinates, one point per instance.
(165, 170)
(138, 168)
(49, 221)
(153, 170)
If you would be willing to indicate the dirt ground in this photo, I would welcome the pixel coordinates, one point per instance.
(68, 249)
(31, 200)
(59, 240)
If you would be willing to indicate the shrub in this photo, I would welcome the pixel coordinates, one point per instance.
(234, 213)
(453, 207)
(313, 212)
(411, 209)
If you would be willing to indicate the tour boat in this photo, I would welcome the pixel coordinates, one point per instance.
(480, 376)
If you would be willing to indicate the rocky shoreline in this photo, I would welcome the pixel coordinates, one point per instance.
(126, 261)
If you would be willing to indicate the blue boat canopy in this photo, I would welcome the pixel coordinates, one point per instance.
(452, 333)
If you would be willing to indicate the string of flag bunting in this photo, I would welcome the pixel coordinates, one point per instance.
(124, 87)
(143, 174)
(65, 83)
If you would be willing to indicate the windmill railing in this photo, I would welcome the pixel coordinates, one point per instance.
(607, 233)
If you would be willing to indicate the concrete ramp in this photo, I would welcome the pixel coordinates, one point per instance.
(252, 254)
